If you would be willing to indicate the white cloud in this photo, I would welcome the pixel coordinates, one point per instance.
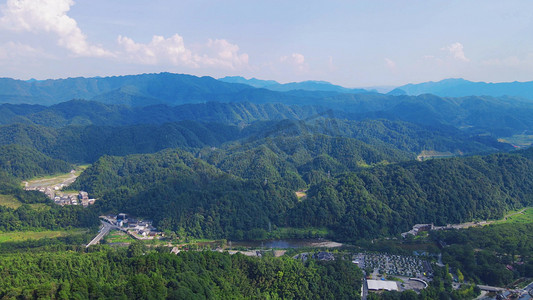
(223, 54)
(390, 63)
(297, 60)
(158, 50)
(456, 50)
(219, 53)
(11, 50)
(49, 16)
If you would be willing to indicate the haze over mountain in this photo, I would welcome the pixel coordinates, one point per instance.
(135, 90)
(458, 87)
(308, 85)
(138, 99)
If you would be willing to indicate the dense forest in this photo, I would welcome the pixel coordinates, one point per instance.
(254, 189)
(128, 274)
(496, 255)
(390, 199)
(24, 162)
(209, 159)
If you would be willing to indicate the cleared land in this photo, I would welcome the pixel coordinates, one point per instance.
(9, 201)
(522, 216)
(58, 179)
(518, 140)
(117, 236)
(301, 194)
(429, 154)
(12, 202)
(19, 236)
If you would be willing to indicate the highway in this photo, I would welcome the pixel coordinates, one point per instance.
(105, 230)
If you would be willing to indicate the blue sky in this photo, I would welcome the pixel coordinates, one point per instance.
(352, 43)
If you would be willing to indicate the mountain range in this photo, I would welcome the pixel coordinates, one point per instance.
(458, 87)
(309, 85)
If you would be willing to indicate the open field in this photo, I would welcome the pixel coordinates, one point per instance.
(429, 154)
(522, 216)
(292, 232)
(12, 202)
(9, 201)
(57, 179)
(518, 140)
(19, 236)
(117, 236)
(301, 194)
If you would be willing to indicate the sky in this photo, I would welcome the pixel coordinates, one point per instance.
(350, 43)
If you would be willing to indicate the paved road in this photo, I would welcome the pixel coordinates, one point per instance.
(105, 230)
(491, 288)
(364, 289)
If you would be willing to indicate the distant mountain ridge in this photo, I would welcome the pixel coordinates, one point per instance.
(458, 87)
(135, 90)
(309, 85)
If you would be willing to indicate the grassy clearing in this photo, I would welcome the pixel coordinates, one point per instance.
(12, 202)
(430, 154)
(56, 179)
(19, 236)
(117, 236)
(9, 201)
(291, 232)
(40, 206)
(520, 217)
(519, 140)
(301, 194)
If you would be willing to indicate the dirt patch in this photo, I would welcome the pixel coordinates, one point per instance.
(326, 244)
(301, 194)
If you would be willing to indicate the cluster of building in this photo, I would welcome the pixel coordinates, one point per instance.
(82, 198)
(60, 198)
(322, 255)
(139, 229)
(417, 228)
(399, 265)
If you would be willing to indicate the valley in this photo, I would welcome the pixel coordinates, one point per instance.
(302, 182)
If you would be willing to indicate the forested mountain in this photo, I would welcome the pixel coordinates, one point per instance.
(180, 191)
(390, 199)
(85, 144)
(458, 87)
(227, 164)
(479, 114)
(23, 162)
(163, 87)
(297, 160)
(309, 85)
(81, 112)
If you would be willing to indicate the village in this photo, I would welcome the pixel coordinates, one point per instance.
(63, 198)
(137, 228)
(53, 188)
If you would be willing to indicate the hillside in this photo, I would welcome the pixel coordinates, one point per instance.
(390, 199)
(127, 96)
(237, 195)
(132, 89)
(309, 85)
(458, 87)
